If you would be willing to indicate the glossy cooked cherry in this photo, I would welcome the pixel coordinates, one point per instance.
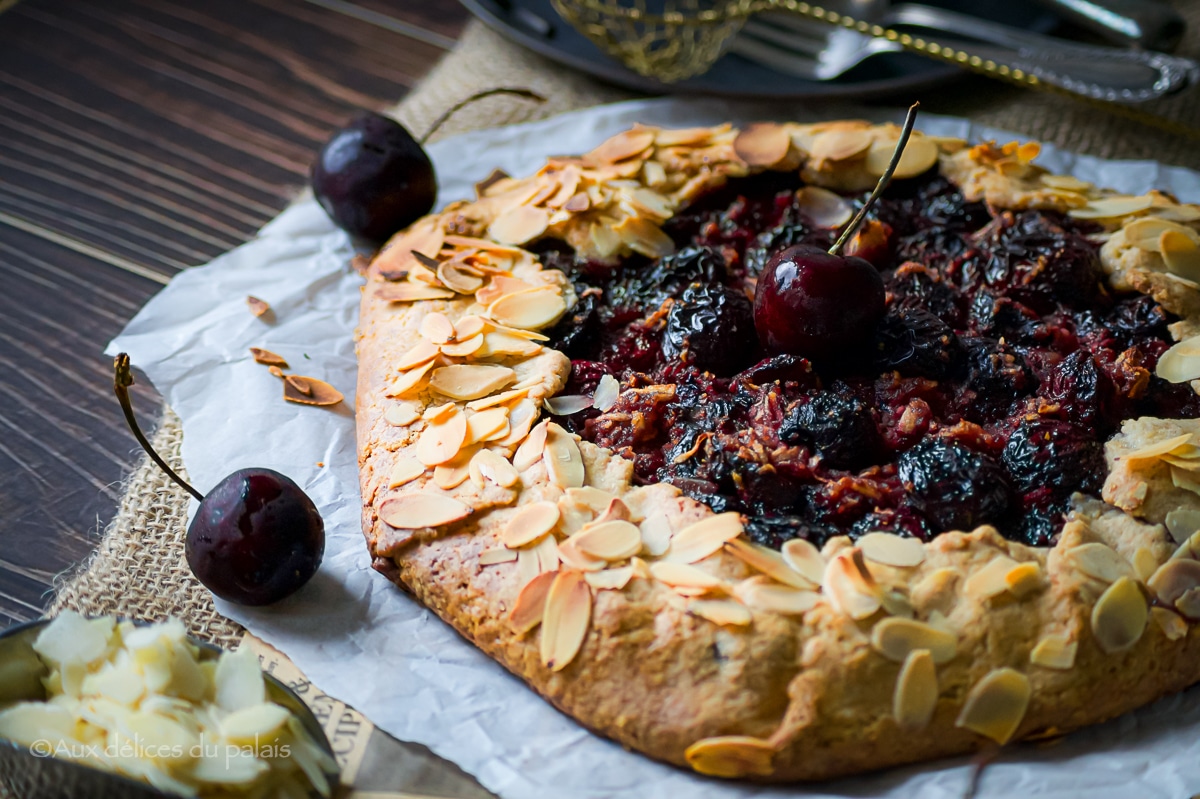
(373, 178)
(817, 305)
(256, 538)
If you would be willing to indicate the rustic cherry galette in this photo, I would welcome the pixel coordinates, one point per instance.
(587, 443)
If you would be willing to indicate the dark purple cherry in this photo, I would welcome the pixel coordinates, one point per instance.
(373, 178)
(256, 537)
(819, 304)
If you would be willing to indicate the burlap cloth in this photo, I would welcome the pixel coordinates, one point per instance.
(138, 570)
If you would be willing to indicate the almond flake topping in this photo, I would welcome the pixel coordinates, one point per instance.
(259, 308)
(823, 208)
(440, 441)
(470, 381)
(608, 391)
(996, 705)
(624, 145)
(437, 413)
(458, 277)
(1152, 452)
(1173, 627)
(849, 585)
(1174, 580)
(268, 358)
(567, 404)
(805, 558)
(422, 352)
(482, 425)
(840, 145)
(593, 499)
(496, 556)
(310, 391)
(494, 467)
(895, 638)
(1179, 364)
(611, 541)
(519, 225)
(499, 344)
(449, 476)
(503, 398)
(761, 593)
(916, 694)
(529, 524)
(575, 559)
(1099, 561)
(409, 381)
(531, 449)
(725, 612)
(919, 156)
(1024, 578)
(731, 756)
(990, 580)
(1113, 208)
(1147, 231)
(769, 562)
(564, 463)
(531, 603)
(465, 348)
(1180, 253)
(610, 579)
(547, 554)
(656, 534)
(416, 511)
(701, 539)
(892, 550)
(1054, 652)
(411, 292)
(681, 575)
(1119, 617)
(401, 415)
(405, 470)
(763, 144)
(532, 309)
(565, 620)
(437, 328)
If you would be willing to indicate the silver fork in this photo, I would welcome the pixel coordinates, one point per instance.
(816, 51)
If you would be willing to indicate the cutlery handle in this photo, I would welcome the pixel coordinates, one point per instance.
(1151, 24)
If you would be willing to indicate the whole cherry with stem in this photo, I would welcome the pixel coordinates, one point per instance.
(821, 304)
(256, 537)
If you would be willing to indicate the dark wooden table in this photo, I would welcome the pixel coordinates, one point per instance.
(138, 138)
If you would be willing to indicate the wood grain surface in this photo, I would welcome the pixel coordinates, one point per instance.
(138, 138)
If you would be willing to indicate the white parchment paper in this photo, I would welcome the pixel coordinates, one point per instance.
(363, 641)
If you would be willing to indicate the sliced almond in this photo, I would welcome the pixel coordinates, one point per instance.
(895, 638)
(847, 584)
(423, 352)
(565, 620)
(564, 463)
(805, 558)
(823, 208)
(991, 580)
(494, 467)
(436, 328)
(1113, 207)
(916, 693)
(996, 705)
(763, 144)
(1065, 182)
(725, 612)
(769, 562)
(682, 575)
(573, 558)
(565, 405)
(608, 391)
(1151, 452)
(438, 413)
(1180, 253)
(528, 566)
(611, 541)
(1173, 627)
(410, 381)
(465, 348)
(483, 424)
(920, 155)
(258, 307)
(451, 475)
(267, 358)
(1180, 363)
(405, 470)
(503, 398)
(1146, 231)
(624, 145)
(656, 534)
(500, 286)
(417, 511)
(594, 499)
(701, 539)
(532, 309)
(644, 237)
(411, 292)
(503, 345)
(519, 225)
(547, 554)
(529, 524)
(1144, 564)
(840, 145)
(493, 557)
(401, 415)
(1174, 579)
(1024, 579)
(1054, 652)
(455, 276)
(440, 441)
(532, 448)
(531, 603)
(613, 579)
(1100, 562)
(310, 391)
(1119, 617)
(761, 593)
(891, 550)
(731, 756)
(470, 381)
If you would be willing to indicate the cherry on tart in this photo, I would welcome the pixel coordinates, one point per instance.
(820, 304)
(256, 537)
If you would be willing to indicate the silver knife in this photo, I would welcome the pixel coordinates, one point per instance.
(1150, 24)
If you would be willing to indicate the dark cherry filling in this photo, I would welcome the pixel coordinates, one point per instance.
(1002, 364)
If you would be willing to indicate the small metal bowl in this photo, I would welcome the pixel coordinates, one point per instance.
(31, 777)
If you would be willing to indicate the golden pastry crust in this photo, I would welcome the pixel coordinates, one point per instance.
(648, 618)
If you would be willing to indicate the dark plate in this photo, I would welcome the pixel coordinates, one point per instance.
(536, 25)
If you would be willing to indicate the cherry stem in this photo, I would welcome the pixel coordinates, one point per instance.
(452, 110)
(884, 180)
(122, 380)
